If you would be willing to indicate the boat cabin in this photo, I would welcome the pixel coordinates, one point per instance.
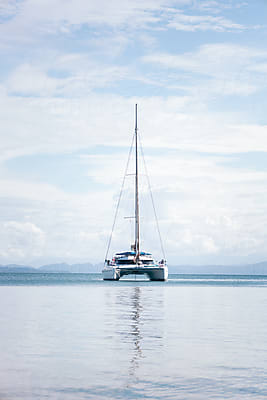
(129, 258)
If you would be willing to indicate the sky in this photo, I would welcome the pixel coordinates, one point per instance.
(71, 72)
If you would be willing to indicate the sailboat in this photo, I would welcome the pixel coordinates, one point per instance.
(135, 261)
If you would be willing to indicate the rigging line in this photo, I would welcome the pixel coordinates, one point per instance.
(151, 196)
(119, 200)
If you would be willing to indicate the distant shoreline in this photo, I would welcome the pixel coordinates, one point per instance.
(247, 269)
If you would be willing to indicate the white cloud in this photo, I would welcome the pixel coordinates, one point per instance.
(82, 76)
(215, 6)
(28, 80)
(9, 8)
(59, 16)
(222, 68)
(259, 67)
(17, 188)
(47, 223)
(34, 19)
(210, 59)
(50, 125)
(19, 241)
(192, 23)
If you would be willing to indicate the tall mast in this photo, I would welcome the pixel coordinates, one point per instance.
(137, 232)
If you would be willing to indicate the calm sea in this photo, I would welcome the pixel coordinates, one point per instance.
(73, 336)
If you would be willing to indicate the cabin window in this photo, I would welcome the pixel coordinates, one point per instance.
(125, 262)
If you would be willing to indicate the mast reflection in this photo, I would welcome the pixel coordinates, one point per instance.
(135, 330)
(139, 328)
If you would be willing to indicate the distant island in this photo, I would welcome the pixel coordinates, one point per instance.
(247, 269)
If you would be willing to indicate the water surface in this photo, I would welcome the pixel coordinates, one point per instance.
(73, 336)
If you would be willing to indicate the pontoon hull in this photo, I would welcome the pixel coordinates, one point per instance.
(114, 273)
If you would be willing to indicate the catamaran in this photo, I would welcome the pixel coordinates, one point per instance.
(135, 261)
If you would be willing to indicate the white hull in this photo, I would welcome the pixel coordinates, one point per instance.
(155, 273)
(110, 274)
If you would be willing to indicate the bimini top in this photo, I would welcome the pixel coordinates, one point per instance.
(132, 253)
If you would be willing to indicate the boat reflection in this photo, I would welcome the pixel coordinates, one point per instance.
(139, 328)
